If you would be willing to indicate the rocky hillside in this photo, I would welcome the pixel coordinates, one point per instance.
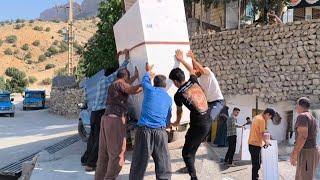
(88, 8)
(38, 47)
(60, 12)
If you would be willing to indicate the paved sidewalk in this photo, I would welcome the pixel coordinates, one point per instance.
(67, 165)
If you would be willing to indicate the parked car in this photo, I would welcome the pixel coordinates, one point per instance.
(89, 86)
(84, 122)
(6, 105)
(34, 99)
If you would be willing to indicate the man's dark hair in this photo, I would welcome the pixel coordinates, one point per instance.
(236, 109)
(109, 71)
(177, 74)
(123, 73)
(304, 102)
(248, 118)
(160, 81)
(269, 111)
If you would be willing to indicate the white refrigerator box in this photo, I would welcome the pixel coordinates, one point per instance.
(270, 161)
(153, 30)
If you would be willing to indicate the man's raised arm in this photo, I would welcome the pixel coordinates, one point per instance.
(196, 64)
(179, 57)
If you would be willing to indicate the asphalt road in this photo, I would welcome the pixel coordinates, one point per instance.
(31, 131)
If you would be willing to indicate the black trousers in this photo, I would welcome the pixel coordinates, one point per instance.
(194, 137)
(90, 157)
(255, 152)
(150, 142)
(231, 150)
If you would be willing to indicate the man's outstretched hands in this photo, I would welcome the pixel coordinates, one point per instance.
(191, 55)
(149, 69)
(179, 55)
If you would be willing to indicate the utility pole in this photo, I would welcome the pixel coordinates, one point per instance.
(70, 38)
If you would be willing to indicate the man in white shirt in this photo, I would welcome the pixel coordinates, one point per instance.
(210, 86)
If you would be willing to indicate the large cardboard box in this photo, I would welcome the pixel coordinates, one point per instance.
(153, 30)
(269, 157)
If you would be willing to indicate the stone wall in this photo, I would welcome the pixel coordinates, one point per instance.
(277, 63)
(64, 101)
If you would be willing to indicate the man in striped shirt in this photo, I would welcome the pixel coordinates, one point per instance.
(90, 157)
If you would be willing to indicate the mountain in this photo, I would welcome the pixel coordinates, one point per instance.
(60, 12)
(89, 8)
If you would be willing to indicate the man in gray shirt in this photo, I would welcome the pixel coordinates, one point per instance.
(232, 136)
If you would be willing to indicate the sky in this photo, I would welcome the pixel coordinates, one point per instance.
(26, 9)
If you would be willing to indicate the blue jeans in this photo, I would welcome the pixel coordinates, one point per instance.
(215, 108)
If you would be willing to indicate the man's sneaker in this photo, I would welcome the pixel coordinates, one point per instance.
(89, 169)
(231, 165)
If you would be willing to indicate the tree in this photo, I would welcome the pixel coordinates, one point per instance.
(100, 51)
(18, 80)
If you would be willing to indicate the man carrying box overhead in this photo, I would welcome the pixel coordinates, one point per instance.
(192, 96)
(90, 157)
(112, 140)
(151, 136)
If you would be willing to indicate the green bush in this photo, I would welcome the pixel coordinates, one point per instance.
(11, 39)
(63, 47)
(28, 56)
(56, 43)
(60, 31)
(78, 47)
(48, 29)
(1, 42)
(29, 61)
(48, 54)
(56, 21)
(38, 28)
(61, 72)
(36, 43)
(42, 58)
(18, 26)
(46, 81)
(14, 45)
(25, 47)
(14, 72)
(2, 83)
(16, 51)
(32, 79)
(31, 21)
(8, 51)
(50, 66)
(20, 21)
(53, 50)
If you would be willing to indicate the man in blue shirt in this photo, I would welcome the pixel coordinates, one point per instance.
(151, 136)
(90, 157)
